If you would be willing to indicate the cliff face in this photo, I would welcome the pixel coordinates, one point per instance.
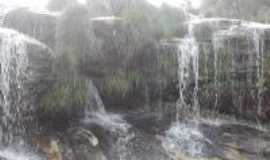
(234, 59)
(25, 75)
(41, 26)
(64, 76)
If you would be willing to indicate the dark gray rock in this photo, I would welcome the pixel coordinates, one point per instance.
(26, 74)
(130, 144)
(246, 141)
(81, 144)
(41, 26)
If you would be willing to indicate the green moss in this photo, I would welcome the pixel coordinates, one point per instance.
(168, 66)
(147, 24)
(121, 84)
(115, 85)
(64, 95)
(135, 78)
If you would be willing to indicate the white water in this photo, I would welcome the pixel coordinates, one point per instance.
(114, 123)
(259, 48)
(14, 70)
(13, 154)
(181, 136)
(188, 138)
(185, 138)
(254, 31)
(188, 54)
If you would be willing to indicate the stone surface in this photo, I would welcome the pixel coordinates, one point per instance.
(25, 75)
(81, 144)
(41, 26)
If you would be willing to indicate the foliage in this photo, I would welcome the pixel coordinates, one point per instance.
(241, 9)
(77, 40)
(70, 88)
(115, 85)
(171, 21)
(148, 24)
(168, 66)
(135, 78)
(59, 5)
(141, 25)
(64, 95)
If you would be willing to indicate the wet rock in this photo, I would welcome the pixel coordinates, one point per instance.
(75, 143)
(238, 141)
(238, 50)
(217, 141)
(143, 144)
(205, 28)
(54, 151)
(142, 79)
(41, 26)
(150, 122)
(130, 144)
(81, 135)
(26, 72)
(82, 144)
(48, 147)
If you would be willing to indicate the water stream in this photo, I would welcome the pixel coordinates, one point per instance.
(190, 133)
(188, 73)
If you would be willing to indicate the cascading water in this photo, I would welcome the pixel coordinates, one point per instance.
(186, 136)
(13, 68)
(188, 54)
(229, 62)
(114, 123)
(259, 47)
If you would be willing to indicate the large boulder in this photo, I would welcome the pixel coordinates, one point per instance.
(75, 143)
(84, 145)
(25, 75)
(216, 141)
(40, 25)
(119, 140)
(233, 59)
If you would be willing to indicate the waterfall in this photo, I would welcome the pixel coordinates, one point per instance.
(15, 74)
(96, 114)
(13, 70)
(237, 56)
(186, 136)
(259, 49)
(188, 56)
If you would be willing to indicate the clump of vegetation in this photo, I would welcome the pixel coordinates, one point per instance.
(147, 24)
(70, 89)
(242, 9)
(115, 85)
(64, 95)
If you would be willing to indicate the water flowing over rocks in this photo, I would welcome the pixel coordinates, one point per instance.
(129, 93)
(25, 63)
(42, 26)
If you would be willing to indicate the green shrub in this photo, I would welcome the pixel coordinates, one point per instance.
(115, 85)
(64, 95)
